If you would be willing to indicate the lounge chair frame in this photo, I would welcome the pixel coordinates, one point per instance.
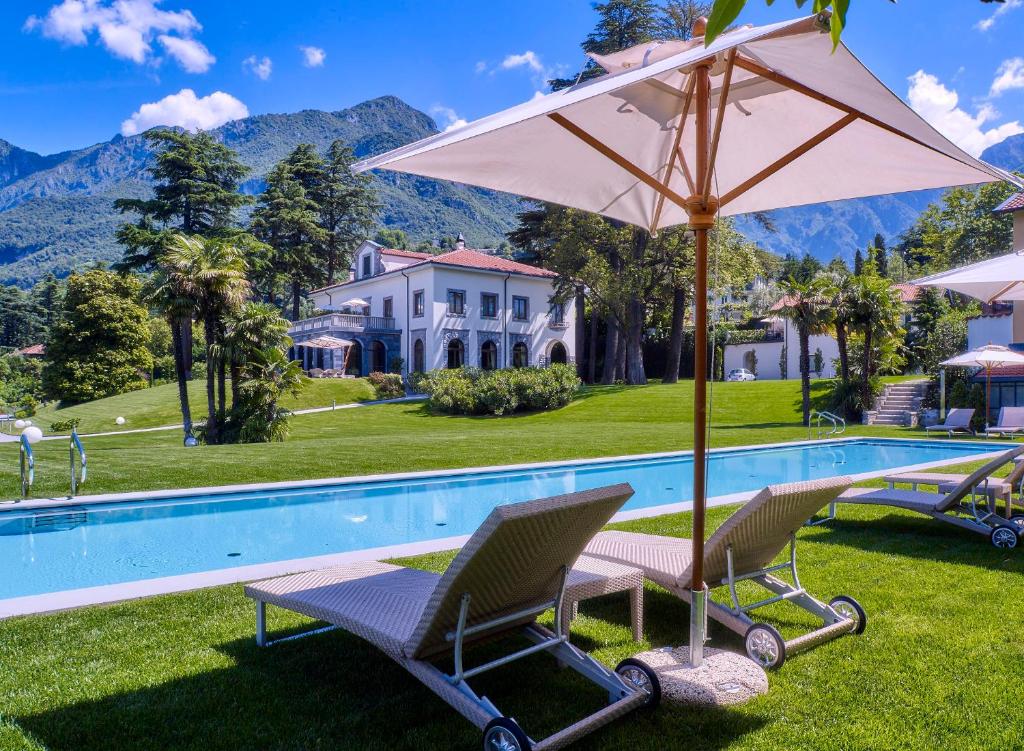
(454, 687)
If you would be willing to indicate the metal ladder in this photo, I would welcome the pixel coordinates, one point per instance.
(28, 465)
(76, 445)
(838, 425)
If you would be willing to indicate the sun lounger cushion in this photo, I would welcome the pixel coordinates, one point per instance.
(912, 500)
(663, 559)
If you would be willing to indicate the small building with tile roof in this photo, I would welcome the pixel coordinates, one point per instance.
(429, 311)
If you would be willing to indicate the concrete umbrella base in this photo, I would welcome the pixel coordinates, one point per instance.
(724, 678)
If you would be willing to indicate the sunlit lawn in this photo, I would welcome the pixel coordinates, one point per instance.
(940, 666)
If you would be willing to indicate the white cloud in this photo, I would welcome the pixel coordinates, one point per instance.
(191, 54)
(1010, 75)
(186, 110)
(259, 67)
(528, 58)
(1001, 9)
(451, 119)
(126, 28)
(312, 57)
(480, 67)
(939, 106)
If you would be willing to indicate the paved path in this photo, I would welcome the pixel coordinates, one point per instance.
(5, 438)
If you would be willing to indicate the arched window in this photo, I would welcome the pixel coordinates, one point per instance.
(558, 353)
(419, 360)
(520, 355)
(489, 355)
(456, 353)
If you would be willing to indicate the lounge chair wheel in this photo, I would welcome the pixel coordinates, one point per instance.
(851, 609)
(1003, 537)
(504, 734)
(636, 673)
(765, 646)
(1018, 521)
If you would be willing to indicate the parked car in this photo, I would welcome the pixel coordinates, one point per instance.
(740, 374)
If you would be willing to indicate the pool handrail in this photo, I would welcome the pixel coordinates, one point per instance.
(27, 465)
(838, 424)
(76, 444)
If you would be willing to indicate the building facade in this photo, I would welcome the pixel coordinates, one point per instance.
(414, 312)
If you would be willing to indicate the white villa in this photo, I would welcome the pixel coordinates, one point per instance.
(463, 307)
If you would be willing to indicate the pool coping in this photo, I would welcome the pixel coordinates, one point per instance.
(113, 593)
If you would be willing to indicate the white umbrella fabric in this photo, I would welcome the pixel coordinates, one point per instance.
(355, 302)
(988, 357)
(326, 342)
(1000, 278)
(762, 118)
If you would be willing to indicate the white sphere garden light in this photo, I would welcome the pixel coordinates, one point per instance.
(19, 424)
(119, 420)
(32, 434)
(28, 423)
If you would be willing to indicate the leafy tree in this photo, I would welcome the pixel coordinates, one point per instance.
(876, 312)
(266, 377)
(22, 318)
(20, 383)
(802, 269)
(252, 328)
(840, 291)
(390, 237)
(47, 293)
(676, 19)
(99, 345)
(348, 207)
(807, 305)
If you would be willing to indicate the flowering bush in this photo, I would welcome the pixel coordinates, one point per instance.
(387, 385)
(469, 391)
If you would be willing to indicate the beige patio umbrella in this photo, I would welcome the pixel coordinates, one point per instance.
(988, 357)
(999, 278)
(330, 342)
(680, 133)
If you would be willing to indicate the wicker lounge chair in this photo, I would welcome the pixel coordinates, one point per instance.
(967, 505)
(1010, 422)
(511, 570)
(994, 488)
(743, 548)
(958, 420)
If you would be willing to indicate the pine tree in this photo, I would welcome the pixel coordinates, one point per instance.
(348, 207)
(858, 263)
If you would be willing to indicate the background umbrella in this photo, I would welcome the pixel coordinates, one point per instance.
(987, 357)
(1000, 278)
(677, 133)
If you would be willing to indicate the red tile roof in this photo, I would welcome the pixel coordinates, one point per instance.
(786, 301)
(405, 253)
(32, 350)
(908, 292)
(1013, 203)
(1005, 371)
(474, 259)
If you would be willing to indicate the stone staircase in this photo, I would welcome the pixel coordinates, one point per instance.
(898, 404)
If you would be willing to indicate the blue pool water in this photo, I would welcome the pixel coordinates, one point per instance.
(91, 545)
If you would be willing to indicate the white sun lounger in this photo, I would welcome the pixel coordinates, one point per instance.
(967, 505)
(511, 570)
(958, 420)
(743, 549)
(1010, 422)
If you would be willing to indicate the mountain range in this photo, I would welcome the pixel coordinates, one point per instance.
(56, 211)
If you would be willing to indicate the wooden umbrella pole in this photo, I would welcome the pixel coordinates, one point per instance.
(701, 210)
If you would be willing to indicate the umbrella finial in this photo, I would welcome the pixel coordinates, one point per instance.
(700, 26)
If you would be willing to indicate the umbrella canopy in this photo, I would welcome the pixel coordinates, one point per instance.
(326, 342)
(1000, 278)
(355, 302)
(799, 125)
(762, 118)
(988, 356)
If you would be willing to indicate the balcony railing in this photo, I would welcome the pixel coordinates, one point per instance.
(343, 321)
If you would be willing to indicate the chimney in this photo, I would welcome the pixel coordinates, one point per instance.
(460, 242)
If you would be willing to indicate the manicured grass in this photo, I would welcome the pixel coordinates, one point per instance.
(150, 408)
(940, 665)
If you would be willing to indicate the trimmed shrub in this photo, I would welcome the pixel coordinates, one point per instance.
(65, 426)
(387, 385)
(469, 391)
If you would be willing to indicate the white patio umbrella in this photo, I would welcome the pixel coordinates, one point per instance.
(1000, 278)
(680, 133)
(988, 357)
(332, 343)
(355, 302)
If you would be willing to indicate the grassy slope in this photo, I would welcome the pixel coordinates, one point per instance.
(181, 672)
(157, 406)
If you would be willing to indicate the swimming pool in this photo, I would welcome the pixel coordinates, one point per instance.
(248, 531)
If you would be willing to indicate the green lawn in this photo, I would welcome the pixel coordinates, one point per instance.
(150, 408)
(940, 666)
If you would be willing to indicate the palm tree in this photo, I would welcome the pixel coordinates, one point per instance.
(841, 294)
(210, 272)
(169, 292)
(807, 305)
(266, 377)
(875, 312)
(254, 327)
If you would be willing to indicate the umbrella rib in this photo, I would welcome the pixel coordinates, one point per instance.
(1001, 292)
(719, 116)
(676, 151)
(617, 158)
(751, 67)
(686, 171)
(793, 155)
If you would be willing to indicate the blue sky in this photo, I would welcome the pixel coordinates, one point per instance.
(76, 72)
